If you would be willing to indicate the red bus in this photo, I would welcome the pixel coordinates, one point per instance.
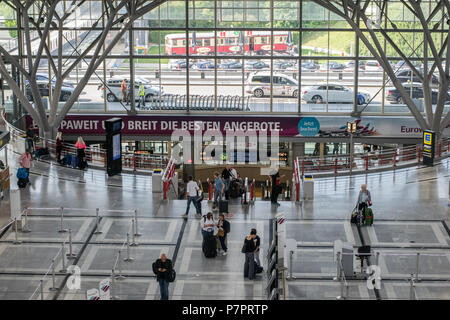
(227, 42)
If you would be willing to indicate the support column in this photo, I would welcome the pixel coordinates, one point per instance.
(189, 168)
(322, 150)
(298, 150)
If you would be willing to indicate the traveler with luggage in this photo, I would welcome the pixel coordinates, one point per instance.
(258, 245)
(249, 250)
(164, 272)
(25, 162)
(123, 88)
(364, 213)
(219, 188)
(141, 95)
(30, 136)
(59, 146)
(208, 225)
(191, 196)
(226, 176)
(223, 229)
(81, 153)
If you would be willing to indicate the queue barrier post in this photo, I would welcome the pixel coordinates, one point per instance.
(113, 286)
(417, 266)
(335, 165)
(97, 221)
(41, 285)
(16, 233)
(25, 228)
(128, 258)
(70, 255)
(133, 234)
(419, 154)
(136, 232)
(61, 228)
(119, 266)
(63, 258)
(395, 158)
(53, 288)
(367, 162)
(412, 296)
(252, 191)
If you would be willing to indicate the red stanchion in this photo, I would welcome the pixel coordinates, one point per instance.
(440, 149)
(210, 193)
(407, 158)
(367, 162)
(252, 191)
(335, 165)
(134, 162)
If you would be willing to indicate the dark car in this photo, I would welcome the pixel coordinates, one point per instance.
(404, 75)
(282, 65)
(44, 91)
(256, 65)
(333, 66)
(230, 65)
(310, 66)
(44, 77)
(180, 64)
(204, 65)
(351, 65)
(416, 92)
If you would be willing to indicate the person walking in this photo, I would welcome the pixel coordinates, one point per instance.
(59, 146)
(191, 196)
(226, 176)
(123, 88)
(336, 148)
(207, 224)
(249, 251)
(364, 199)
(25, 162)
(81, 152)
(223, 229)
(128, 93)
(219, 188)
(161, 268)
(141, 95)
(258, 245)
(30, 139)
(276, 188)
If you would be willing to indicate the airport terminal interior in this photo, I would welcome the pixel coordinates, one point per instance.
(323, 125)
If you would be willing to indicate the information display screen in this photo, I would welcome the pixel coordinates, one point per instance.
(116, 146)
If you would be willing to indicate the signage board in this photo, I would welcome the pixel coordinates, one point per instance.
(428, 147)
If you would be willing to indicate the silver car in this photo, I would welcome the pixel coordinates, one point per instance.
(114, 91)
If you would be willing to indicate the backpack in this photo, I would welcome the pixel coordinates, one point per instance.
(172, 275)
(155, 270)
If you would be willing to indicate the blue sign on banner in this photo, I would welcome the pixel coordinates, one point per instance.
(308, 126)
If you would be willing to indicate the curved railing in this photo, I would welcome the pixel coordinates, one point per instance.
(95, 157)
(368, 161)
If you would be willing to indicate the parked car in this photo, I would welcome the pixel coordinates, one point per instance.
(351, 65)
(114, 91)
(373, 65)
(283, 65)
(334, 93)
(258, 84)
(402, 64)
(415, 90)
(333, 66)
(179, 64)
(44, 91)
(254, 65)
(404, 75)
(204, 65)
(44, 77)
(310, 66)
(230, 65)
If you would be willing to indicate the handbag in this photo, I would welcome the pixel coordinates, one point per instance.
(244, 248)
(220, 232)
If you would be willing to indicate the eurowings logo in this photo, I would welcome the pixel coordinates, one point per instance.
(280, 220)
(94, 298)
(105, 287)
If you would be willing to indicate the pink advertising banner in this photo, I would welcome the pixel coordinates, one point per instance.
(286, 126)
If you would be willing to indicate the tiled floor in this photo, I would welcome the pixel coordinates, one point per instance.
(410, 209)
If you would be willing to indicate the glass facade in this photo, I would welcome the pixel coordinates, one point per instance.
(260, 56)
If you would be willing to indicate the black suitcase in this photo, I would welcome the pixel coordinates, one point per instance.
(210, 249)
(223, 206)
(22, 183)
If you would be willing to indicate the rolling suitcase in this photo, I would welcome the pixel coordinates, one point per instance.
(22, 183)
(368, 217)
(210, 249)
(223, 206)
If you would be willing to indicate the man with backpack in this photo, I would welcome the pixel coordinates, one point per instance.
(165, 273)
